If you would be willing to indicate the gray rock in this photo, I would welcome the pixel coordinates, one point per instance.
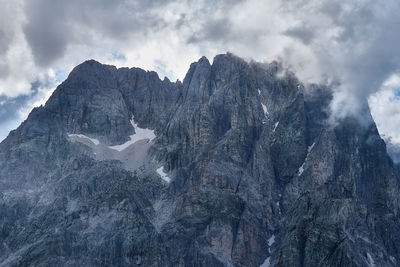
(256, 174)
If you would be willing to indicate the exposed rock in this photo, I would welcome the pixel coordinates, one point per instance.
(243, 170)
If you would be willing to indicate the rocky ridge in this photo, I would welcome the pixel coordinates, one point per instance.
(235, 166)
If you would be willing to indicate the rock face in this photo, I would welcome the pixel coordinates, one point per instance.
(236, 166)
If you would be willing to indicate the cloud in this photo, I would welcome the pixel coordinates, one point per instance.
(14, 60)
(385, 109)
(304, 34)
(350, 44)
(16, 109)
(52, 26)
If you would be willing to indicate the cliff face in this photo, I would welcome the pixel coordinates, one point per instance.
(236, 166)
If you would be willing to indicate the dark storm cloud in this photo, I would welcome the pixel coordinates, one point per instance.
(53, 25)
(214, 30)
(304, 34)
(47, 30)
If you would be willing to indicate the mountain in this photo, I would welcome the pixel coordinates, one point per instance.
(235, 166)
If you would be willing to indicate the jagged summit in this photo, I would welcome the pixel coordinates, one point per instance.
(235, 166)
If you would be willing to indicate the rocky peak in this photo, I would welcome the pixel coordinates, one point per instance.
(236, 166)
(196, 84)
(90, 75)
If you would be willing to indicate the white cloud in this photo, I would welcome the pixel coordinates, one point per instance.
(353, 43)
(385, 108)
(16, 62)
(20, 69)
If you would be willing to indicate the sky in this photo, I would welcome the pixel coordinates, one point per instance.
(350, 45)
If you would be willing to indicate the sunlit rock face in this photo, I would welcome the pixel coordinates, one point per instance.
(234, 166)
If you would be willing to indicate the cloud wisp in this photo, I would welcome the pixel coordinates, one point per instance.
(351, 45)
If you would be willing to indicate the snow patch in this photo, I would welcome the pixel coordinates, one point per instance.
(276, 125)
(259, 91)
(163, 175)
(266, 263)
(301, 169)
(370, 260)
(271, 240)
(93, 140)
(140, 134)
(264, 107)
(279, 208)
(310, 147)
